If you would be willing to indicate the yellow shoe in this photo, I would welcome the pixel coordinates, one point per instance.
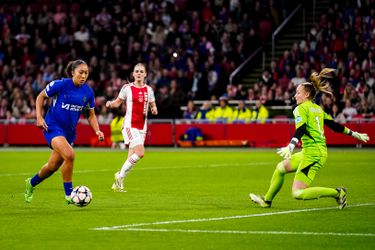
(341, 199)
(29, 191)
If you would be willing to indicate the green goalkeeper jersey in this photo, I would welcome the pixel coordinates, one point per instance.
(313, 116)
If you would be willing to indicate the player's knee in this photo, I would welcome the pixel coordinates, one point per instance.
(141, 154)
(297, 194)
(281, 168)
(69, 156)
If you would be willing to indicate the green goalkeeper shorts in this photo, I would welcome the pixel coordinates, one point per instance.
(309, 164)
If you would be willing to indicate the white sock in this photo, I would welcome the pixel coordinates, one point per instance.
(127, 166)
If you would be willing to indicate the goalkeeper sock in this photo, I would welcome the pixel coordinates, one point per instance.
(127, 166)
(276, 182)
(314, 193)
(68, 188)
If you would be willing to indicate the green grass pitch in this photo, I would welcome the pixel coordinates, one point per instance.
(185, 199)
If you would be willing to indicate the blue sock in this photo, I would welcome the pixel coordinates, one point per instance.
(35, 180)
(68, 187)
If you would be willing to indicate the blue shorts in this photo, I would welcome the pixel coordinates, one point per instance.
(54, 131)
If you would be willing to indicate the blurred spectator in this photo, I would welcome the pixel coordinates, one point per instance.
(178, 99)
(191, 111)
(241, 113)
(364, 109)
(260, 113)
(337, 115)
(349, 111)
(116, 127)
(223, 113)
(206, 112)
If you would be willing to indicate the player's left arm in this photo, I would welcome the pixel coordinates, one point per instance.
(93, 121)
(337, 127)
(153, 108)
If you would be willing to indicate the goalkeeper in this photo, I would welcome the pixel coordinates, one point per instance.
(310, 120)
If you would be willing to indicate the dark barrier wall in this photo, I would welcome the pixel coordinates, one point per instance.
(166, 134)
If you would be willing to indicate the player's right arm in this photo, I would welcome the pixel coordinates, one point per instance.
(119, 100)
(114, 104)
(51, 89)
(300, 118)
(40, 123)
(337, 127)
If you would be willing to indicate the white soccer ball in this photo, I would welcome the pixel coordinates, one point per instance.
(81, 196)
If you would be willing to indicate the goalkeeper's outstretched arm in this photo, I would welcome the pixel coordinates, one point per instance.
(337, 127)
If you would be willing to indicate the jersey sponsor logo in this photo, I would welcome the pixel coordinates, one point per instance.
(71, 107)
(298, 119)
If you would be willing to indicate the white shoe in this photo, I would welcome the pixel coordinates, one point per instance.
(259, 200)
(118, 185)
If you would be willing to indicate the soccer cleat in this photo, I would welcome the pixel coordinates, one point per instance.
(29, 191)
(118, 185)
(260, 200)
(341, 199)
(69, 200)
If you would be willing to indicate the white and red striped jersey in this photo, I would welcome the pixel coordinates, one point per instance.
(137, 101)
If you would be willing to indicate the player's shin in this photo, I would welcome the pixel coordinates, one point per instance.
(314, 193)
(129, 163)
(276, 182)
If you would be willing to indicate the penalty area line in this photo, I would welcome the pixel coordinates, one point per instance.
(136, 225)
(175, 230)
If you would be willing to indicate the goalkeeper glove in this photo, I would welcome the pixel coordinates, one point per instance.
(286, 152)
(361, 137)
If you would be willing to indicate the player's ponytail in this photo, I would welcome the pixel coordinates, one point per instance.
(72, 65)
(319, 81)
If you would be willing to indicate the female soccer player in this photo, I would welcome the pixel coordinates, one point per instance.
(71, 95)
(138, 97)
(309, 119)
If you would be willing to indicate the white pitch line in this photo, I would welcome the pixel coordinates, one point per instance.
(164, 230)
(154, 168)
(223, 218)
(161, 168)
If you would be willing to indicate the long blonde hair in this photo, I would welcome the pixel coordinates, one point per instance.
(318, 83)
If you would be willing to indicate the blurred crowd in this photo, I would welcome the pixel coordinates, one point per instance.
(189, 47)
(343, 39)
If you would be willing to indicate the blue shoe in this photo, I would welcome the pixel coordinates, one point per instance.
(341, 199)
(29, 191)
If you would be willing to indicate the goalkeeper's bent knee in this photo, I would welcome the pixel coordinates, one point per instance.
(297, 194)
(281, 168)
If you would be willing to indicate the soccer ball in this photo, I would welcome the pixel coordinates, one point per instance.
(81, 196)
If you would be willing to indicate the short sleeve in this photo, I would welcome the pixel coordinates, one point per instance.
(151, 94)
(300, 116)
(122, 94)
(53, 88)
(91, 101)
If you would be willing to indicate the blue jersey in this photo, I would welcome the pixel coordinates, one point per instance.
(68, 102)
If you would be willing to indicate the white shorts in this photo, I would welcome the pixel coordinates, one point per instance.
(133, 137)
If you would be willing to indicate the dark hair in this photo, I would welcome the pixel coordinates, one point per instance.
(318, 83)
(72, 66)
